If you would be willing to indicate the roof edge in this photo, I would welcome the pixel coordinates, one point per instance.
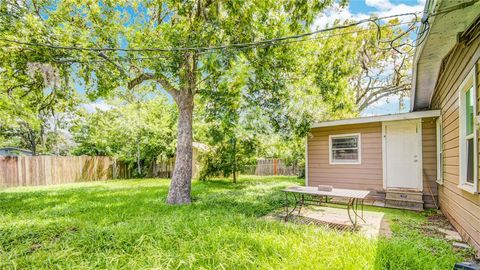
(379, 118)
(430, 5)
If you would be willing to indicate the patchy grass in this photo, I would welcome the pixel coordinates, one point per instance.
(126, 224)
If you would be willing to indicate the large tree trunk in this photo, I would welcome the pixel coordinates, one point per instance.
(179, 192)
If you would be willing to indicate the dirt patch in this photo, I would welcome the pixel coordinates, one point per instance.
(385, 228)
(372, 224)
(34, 248)
(439, 220)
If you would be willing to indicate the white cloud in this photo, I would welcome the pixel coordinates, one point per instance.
(379, 4)
(334, 13)
(382, 8)
(97, 105)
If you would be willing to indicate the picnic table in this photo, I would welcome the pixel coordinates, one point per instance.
(355, 199)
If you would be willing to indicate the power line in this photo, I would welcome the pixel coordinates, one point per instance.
(220, 47)
(286, 42)
(248, 44)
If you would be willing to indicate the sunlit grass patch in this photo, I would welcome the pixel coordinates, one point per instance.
(126, 224)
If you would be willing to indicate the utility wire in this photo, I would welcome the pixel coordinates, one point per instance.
(128, 59)
(247, 44)
(286, 42)
(221, 47)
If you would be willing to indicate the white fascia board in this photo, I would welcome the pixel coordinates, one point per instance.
(379, 118)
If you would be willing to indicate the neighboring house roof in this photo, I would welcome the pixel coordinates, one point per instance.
(379, 118)
(447, 18)
(10, 150)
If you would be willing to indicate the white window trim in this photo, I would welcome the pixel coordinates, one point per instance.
(463, 184)
(330, 158)
(439, 130)
(306, 160)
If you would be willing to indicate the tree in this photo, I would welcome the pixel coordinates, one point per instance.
(223, 112)
(371, 62)
(172, 25)
(36, 103)
(127, 130)
(385, 71)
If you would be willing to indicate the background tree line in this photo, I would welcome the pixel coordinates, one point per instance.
(243, 102)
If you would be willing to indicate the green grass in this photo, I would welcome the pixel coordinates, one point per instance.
(126, 224)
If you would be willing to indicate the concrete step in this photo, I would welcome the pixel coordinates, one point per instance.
(404, 199)
(416, 206)
(404, 195)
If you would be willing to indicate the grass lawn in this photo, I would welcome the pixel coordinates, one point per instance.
(126, 224)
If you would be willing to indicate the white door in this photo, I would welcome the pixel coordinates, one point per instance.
(402, 154)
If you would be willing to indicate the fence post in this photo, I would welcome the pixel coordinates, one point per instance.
(274, 166)
(114, 168)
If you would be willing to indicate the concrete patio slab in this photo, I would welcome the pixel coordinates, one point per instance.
(337, 218)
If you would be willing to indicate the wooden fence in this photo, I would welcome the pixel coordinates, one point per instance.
(51, 170)
(162, 168)
(272, 167)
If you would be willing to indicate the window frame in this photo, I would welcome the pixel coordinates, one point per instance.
(349, 162)
(439, 133)
(468, 83)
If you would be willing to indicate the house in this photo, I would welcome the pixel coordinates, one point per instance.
(430, 154)
(14, 151)
(395, 153)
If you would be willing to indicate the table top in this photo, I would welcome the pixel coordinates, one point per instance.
(336, 192)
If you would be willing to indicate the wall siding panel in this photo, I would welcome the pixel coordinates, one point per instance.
(462, 208)
(429, 165)
(367, 175)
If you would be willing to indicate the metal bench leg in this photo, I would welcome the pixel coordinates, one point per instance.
(301, 203)
(350, 206)
(297, 202)
(286, 206)
(355, 203)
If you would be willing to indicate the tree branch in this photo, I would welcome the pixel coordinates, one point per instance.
(120, 68)
(160, 78)
(377, 95)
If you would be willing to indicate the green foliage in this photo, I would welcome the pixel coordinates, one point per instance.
(147, 24)
(127, 225)
(250, 102)
(222, 123)
(333, 66)
(36, 91)
(34, 104)
(119, 131)
(266, 86)
(229, 156)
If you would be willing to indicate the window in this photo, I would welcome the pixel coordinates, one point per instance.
(468, 134)
(345, 149)
(439, 151)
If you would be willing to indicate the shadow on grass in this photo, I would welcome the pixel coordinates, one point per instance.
(218, 196)
(127, 224)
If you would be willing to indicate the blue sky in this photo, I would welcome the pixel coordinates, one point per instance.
(357, 9)
(361, 9)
